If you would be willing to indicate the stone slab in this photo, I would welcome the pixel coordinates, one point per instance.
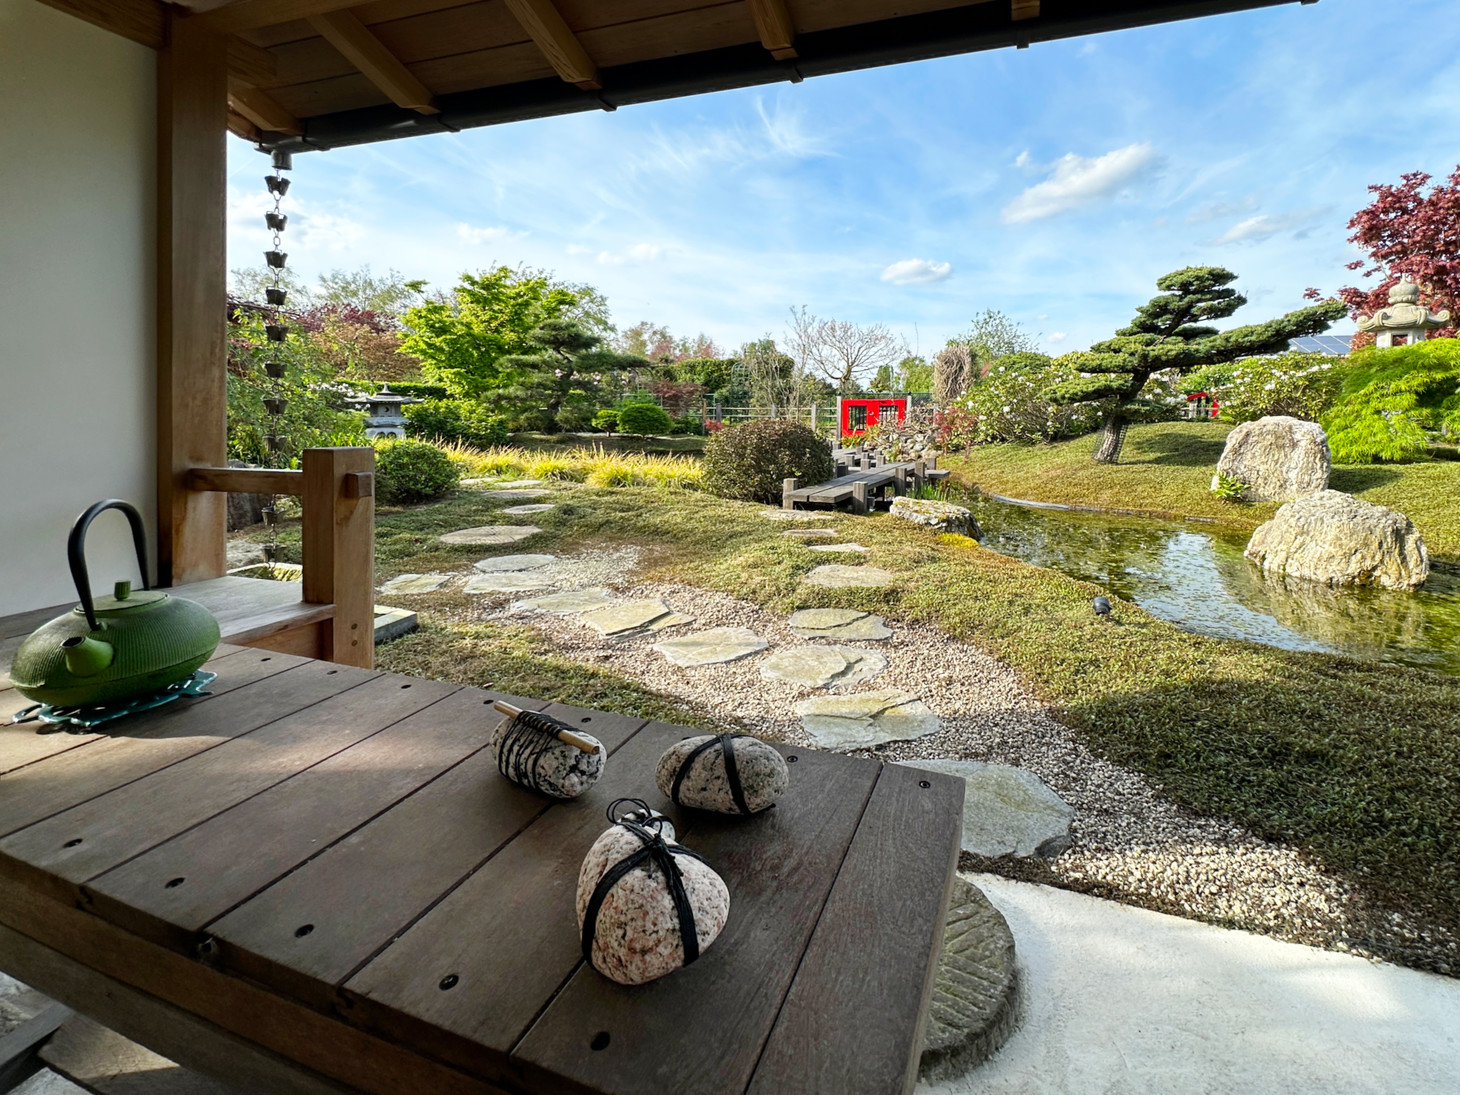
(856, 549)
(794, 515)
(507, 582)
(624, 616)
(533, 507)
(505, 564)
(565, 604)
(823, 666)
(838, 623)
(859, 720)
(719, 644)
(838, 576)
(415, 583)
(811, 533)
(491, 534)
(975, 1001)
(674, 619)
(1006, 811)
(392, 623)
(109, 1064)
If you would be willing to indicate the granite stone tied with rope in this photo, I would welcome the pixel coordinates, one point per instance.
(545, 755)
(646, 904)
(723, 773)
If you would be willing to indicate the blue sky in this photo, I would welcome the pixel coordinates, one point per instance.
(1054, 183)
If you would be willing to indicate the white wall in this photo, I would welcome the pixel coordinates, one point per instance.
(77, 358)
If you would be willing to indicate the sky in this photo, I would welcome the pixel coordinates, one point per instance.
(1054, 183)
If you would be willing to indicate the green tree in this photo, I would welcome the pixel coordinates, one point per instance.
(914, 374)
(463, 337)
(1170, 333)
(994, 335)
(882, 381)
(562, 375)
(389, 294)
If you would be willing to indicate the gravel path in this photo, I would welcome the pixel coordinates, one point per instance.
(1129, 842)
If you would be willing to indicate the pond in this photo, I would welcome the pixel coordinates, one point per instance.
(1195, 576)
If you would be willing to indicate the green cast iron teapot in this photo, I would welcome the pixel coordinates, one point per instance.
(121, 647)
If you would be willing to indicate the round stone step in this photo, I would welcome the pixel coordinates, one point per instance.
(975, 1000)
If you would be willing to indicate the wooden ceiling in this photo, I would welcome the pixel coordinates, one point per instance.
(321, 73)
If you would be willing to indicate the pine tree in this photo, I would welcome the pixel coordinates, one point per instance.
(563, 379)
(1171, 333)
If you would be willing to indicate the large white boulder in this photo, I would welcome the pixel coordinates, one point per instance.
(1335, 538)
(941, 516)
(1279, 458)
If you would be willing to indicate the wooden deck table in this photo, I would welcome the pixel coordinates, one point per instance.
(314, 880)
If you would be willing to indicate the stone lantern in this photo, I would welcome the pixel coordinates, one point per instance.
(1406, 320)
(384, 412)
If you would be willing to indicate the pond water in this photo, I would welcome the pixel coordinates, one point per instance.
(1195, 576)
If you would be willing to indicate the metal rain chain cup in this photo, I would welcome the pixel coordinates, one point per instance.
(277, 330)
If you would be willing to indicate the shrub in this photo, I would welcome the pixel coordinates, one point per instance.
(644, 419)
(606, 420)
(749, 461)
(1301, 385)
(1390, 398)
(413, 471)
(462, 421)
(1010, 403)
(573, 418)
(686, 426)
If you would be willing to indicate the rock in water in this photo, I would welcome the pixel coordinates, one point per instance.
(1278, 457)
(942, 516)
(725, 773)
(631, 928)
(529, 754)
(1336, 538)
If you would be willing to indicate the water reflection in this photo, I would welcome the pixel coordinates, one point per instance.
(1197, 578)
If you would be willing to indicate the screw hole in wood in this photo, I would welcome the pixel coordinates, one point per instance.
(600, 1041)
(588, 719)
(924, 784)
(174, 883)
(303, 930)
(73, 843)
(791, 760)
(449, 982)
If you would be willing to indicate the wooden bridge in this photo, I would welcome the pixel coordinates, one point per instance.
(862, 478)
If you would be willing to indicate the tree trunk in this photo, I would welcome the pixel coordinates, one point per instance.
(1112, 438)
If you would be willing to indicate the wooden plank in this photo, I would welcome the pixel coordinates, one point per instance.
(780, 866)
(17, 1049)
(23, 623)
(544, 24)
(307, 641)
(244, 849)
(425, 845)
(777, 32)
(338, 543)
(905, 852)
(252, 609)
(366, 52)
(263, 110)
(248, 14)
(372, 14)
(247, 480)
(97, 835)
(1024, 9)
(84, 945)
(192, 96)
(168, 735)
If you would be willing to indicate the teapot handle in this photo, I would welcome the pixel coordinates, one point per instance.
(76, 551)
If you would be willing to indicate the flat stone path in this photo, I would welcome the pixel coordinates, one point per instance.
(838, 576)
(506, 581)
(566, 604)
(720, 644)
(823, 666)
(415, 583)
(516, 493)
(794, 515)
(487, 535)
(1006, 811)
(860, 720)
(621, 616)
(847, 624)
(811, 533)
(840, 548)
(500, 564)
(534, 507)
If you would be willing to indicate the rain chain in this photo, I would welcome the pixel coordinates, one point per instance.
(278, 331)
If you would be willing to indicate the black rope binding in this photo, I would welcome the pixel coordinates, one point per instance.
(732, 770)
(657, 853)
(530, 737)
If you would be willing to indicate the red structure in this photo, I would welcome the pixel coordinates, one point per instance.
(1201, 405)
(857, 416)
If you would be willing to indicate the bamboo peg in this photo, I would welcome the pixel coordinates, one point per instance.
(564, 735)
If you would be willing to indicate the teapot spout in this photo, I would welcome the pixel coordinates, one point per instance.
(85, 656)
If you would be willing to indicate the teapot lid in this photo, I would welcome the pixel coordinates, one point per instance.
(123, 597)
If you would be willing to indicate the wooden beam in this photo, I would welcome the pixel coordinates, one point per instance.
(260, 109)
(252, 14)
(143, 21)
(1025, 9)
(777, 32)
(192, 119)
(344, 31)
(545, 25)
(240, 126)
(250, 64)
(338, 542)
(247, 480)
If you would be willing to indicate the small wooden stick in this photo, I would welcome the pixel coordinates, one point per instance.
(566, 736)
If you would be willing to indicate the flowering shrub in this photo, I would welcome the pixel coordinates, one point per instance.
(1009, 405)
(1301, 385)
(957, 427)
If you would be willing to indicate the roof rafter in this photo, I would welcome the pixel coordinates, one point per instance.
(252, 14)
(260, 109)
(1024, 9)
(545, 25)
(343, 30)
(773, 23)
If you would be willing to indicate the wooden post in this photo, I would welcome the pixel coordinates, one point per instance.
(339, 550)
(919, 470)
(788, 488)
(859, 498)
(192, 125)
(899, 480)
(841, 468)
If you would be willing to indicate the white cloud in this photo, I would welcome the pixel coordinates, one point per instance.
(639, 252)
(1077, 181)
(1059, 336)
(1254, 229)
(489, 234)
(1216, 211)
(1022, 160)
(916, 272)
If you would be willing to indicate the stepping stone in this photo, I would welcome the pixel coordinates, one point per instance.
(392, 623)
(505, 582)
(564, 604)
(811, 533)
(415, 583)
(857, 548)
(794, 515)
(503, 564)
(838, 623)
(1006, 811)
(821, 666)
(976, 990)
(720, 644)
(838, 576)
(514, 493)
(535, 507)
(863, 719)
(623, 616)
(491, 534)
(672, 620)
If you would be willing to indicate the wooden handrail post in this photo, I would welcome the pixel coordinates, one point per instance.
(339, 549)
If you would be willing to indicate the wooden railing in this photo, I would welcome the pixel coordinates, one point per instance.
(337, 491)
